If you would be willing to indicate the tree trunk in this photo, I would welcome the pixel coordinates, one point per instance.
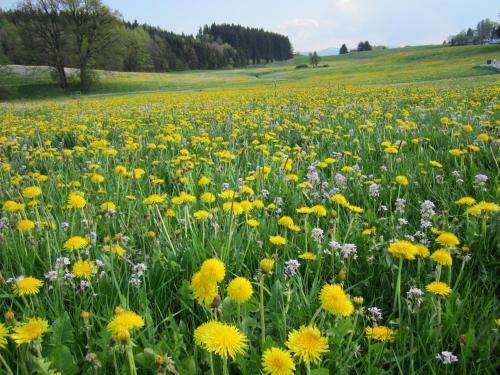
(62, 76)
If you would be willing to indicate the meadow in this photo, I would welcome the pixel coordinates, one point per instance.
(391, 66)
(312, 221)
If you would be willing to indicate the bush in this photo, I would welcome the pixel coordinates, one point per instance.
(302, 66)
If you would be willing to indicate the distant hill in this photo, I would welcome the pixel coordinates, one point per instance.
(329, 51)
(324, 52)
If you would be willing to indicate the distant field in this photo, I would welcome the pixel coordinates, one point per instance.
(400, 65)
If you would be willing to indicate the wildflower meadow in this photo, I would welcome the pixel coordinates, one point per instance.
(279, 229)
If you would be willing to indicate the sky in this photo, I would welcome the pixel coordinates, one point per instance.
(317, 24)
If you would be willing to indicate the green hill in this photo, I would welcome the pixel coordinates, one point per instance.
(390, 66)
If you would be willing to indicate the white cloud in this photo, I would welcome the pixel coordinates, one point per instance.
(299, 23)
(347, 6)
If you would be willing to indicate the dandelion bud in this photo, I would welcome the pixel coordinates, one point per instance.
(151, 234)
(341, 276)
(84, 315)
(119, 309)
(9, 316)
(159, 360)
(358, 300)
(216, 302)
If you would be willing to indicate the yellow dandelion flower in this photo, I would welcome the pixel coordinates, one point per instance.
(403, 249)
(402, 180)
(4, 333)
(204, 180)
(154, 199)
(307, 344)
(308, 256)
(76, 200)
(12, 206)
(276, 361)
(466, 201)
(27, 286)
(252, 223)
(29, 331)
(380, 333)
(267, 265)
(32, 192)
(25, 225)
(201, 215)
(123, 322)
(438, 288)
(84, 269)
(422, 250)
(76, 243)
(442, 257)
(207, 197)
(224, 340)
(138, 173)
(448, 239)
(286, 221)
(213, 270)
(335, 300)
(278, 240)
(319, 210)
(204, 291)
(202, 332)
(340, 199)
(304, 210)
(97, 178)
(108, 206)
(436, 164)
(120, 170)
(240, 290)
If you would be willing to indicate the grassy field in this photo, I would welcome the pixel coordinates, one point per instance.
(410, 64)
(338, 220)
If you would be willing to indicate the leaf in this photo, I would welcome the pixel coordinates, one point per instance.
(62, 331)
(187, 366)
(320, 371)
(41, 366)
(63, 361)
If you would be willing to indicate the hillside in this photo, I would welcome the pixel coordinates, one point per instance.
(399, 65)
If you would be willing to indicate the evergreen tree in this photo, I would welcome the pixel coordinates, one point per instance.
(343, 50)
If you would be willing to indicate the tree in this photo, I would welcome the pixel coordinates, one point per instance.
(93, 27)
(485, 29)
(367, 46)
(314, 59)
(44, 30)
(343, 50)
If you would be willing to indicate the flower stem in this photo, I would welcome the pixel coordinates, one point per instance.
(397, 293)
(262, 319)
(131, 361)
(212, 370)
(308, 368)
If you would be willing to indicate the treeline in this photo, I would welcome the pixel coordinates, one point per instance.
(253, 46)
(362, 46)
(484, 32)
(87, 35)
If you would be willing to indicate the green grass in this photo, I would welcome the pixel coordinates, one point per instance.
(335, 124)
(399, 65)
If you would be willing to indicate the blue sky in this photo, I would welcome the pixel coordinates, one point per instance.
(318, 24)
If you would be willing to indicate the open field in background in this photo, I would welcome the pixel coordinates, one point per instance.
(332, 212)
(399, 65)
